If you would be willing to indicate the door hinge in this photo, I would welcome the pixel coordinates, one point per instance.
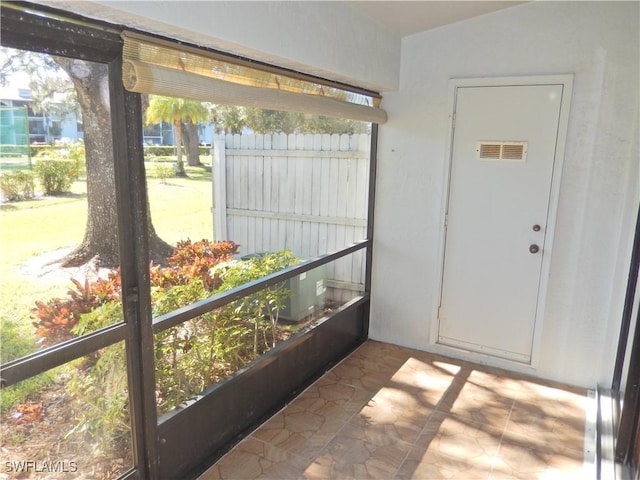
(446, 220)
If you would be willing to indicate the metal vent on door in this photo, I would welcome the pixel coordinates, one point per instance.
(497, 150)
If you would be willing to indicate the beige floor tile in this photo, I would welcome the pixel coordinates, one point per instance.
(433, 466)
(253, 459)
(421, 374)
(385, 353)
(544, 421)
(358, 453)
(301, 433)
(522, 461)
(477, 403)
(497, 381)
(450, 447)
(359, 372)
(394, 413)
(334, 401)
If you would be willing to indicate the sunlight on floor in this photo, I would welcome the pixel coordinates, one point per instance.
(393, 413)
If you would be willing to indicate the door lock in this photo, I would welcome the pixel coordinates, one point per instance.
(534, 248)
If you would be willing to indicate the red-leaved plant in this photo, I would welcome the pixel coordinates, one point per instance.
(58, 316)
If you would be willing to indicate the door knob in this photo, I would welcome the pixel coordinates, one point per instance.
(536, 228)
(534, 248)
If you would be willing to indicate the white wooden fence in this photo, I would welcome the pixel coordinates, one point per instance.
(306, 193)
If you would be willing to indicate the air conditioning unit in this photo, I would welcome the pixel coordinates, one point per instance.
(308, 292)
(307, 295)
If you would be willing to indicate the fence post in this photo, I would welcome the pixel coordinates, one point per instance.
(218, 172)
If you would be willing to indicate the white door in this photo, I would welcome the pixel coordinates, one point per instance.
(503, 151)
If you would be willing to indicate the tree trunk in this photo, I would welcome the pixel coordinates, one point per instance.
(100, 241)
(179, 163)
(191, 144)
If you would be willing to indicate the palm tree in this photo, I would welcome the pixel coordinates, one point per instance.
(176, 111)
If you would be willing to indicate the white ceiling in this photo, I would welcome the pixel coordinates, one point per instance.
(409, 17)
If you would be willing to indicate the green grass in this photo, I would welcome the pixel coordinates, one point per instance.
(29, 229)
(180, 209)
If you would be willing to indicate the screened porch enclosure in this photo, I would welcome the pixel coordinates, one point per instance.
(302, 307)
(319, 312)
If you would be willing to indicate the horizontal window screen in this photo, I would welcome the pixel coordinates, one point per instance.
(164, 68)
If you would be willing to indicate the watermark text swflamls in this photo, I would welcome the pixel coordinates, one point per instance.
(40, 466)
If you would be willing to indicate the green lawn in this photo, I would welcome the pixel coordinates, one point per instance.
(180, 209)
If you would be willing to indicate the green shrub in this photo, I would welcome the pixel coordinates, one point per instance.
(169, 150)
(196, 354)
(36, 150)
(17, 186)
(164, 170)
(58, 317)
(159, 150)
(56, 176)
(76, 153)
(266, 303)
(99, 393)
(189, 357)
(100, 406)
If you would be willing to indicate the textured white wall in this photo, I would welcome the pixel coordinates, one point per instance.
(321, 38)
(596, 41)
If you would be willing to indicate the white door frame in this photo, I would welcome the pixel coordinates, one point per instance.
(567, 82)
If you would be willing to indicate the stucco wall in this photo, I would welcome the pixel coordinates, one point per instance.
(321, 38)
(598, 43)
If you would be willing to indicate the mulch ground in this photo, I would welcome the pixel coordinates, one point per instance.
(34, 443)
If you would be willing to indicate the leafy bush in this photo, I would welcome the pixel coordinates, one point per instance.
(56, 176)
(194, 260)
(36, 150)
(190, 253)
(196, 354)
(189, 357)
(159, 150)
(169, 150)
(17, 186)
(267, 302)
(99, 391)
(100, 406)
(164, 170)
(76, 153)
(58, 317)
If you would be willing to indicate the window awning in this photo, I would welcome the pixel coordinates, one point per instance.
(161, 67)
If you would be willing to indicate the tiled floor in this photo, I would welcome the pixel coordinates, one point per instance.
(393, 413)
